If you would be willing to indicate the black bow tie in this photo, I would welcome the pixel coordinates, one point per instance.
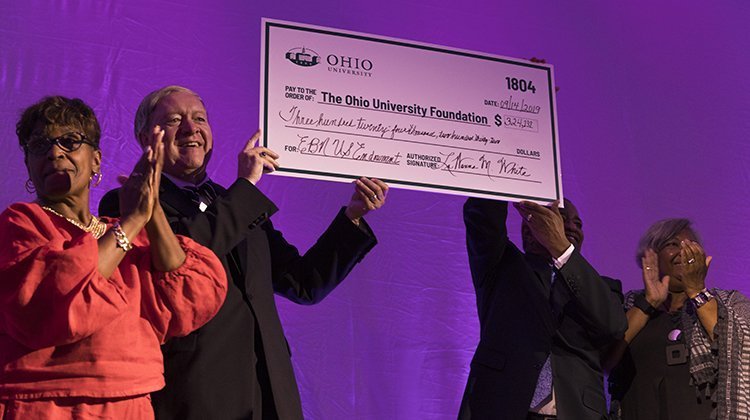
(203, 193)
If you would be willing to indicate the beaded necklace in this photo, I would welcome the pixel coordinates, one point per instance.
(96, 227)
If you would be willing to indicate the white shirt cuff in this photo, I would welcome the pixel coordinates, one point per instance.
(559, 262)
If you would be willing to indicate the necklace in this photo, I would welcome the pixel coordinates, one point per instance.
(96, 227)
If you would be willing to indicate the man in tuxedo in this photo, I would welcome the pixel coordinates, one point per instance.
(238, 365)
(545, 314)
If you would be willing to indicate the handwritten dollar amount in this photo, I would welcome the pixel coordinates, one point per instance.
(518, 123)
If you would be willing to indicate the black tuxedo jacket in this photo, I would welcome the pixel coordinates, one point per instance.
(238, 365)
(524, 318)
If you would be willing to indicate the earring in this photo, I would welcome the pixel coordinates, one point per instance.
(97, 178)
(30, 186)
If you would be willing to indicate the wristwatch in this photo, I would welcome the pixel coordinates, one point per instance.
(701, 298)
(641, 303)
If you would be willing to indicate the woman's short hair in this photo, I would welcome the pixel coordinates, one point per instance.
(148, 104)
(62, 112)
(660, 233)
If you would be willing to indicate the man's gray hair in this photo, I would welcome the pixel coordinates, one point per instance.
(148, 104)
(660, 233)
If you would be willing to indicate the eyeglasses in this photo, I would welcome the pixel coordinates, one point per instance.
(68, 142)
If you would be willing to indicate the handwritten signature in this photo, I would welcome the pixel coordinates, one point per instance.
(460, 162)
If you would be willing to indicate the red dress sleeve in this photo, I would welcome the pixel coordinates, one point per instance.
(51, 292)
(180, 301)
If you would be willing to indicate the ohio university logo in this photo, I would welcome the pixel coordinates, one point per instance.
(345, 64)
(304, 57)
(348, 65)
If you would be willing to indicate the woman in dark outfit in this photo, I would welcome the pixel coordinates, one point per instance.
(686, 353)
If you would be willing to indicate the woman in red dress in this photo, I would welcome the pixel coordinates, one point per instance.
(86, 302)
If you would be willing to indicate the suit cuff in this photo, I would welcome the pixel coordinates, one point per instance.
(361, 230)
(255, 205)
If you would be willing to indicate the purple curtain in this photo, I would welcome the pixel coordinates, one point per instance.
(653, 117)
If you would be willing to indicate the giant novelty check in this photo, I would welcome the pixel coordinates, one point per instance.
(338, 105)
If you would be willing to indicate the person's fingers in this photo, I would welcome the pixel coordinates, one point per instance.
(148, 153)
(523, 212)
(154, 136)
(154, 153)
(149, 141)
(555, 207)
(645, 267)
(159, 158)
(269, 164)
(683, 255)
(136, 175)
(374, 187)
(650, 266)
(361, 198)
(252, 142)
(158, 138)
(143, 173)
(686, 254)
(697, 250)
(364, 189)
(253, 147)
(148, 168)
(536, 210)
(530, 206)
(383, 187)
(371, 192)
(708, 261)
(143, 161)
(366, 200)
(265, 152)
(700, 256)
(651, 258)
(158, 162)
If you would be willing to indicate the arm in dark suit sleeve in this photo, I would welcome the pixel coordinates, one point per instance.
(224, 223)
(597, 299)
(486, 235)
(309, 278)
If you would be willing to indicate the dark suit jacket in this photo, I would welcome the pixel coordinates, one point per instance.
(523, 319)
(218, 371)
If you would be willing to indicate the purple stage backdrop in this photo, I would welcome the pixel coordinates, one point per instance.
(653, 122)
